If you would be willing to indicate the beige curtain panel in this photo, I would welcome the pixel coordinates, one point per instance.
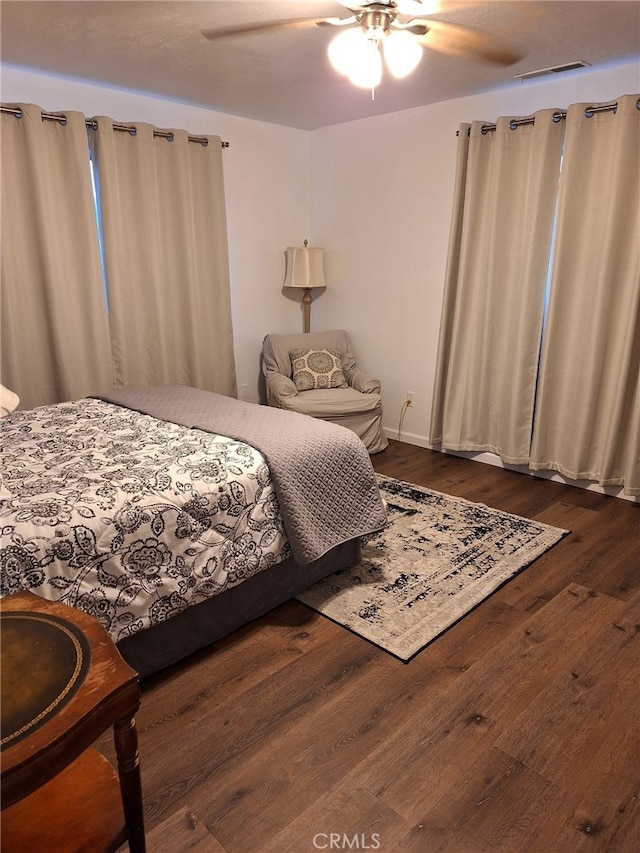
(55, 338)
(588, 410)
(495, 288)
(165, 248)
(556, 388)
(443, 369)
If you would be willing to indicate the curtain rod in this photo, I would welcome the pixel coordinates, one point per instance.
(557, 116)
(93, 124)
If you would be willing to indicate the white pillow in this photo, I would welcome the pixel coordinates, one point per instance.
(8, 401)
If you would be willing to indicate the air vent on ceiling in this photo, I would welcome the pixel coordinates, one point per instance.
(555, 69)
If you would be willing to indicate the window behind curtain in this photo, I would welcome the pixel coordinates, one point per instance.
(164, 233)
(54, 330)
(114, 260)
(584, 417)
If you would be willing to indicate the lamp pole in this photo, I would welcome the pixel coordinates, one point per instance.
(306, 304)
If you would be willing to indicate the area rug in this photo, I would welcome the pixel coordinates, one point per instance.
(438, 558)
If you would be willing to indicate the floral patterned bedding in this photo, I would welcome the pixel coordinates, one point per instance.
(129, 518)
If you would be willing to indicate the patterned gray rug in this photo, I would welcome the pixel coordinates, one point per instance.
(437, 559)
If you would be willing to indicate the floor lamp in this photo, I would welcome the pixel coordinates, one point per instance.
(305, 269)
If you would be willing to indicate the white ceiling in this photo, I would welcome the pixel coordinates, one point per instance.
(157, 46)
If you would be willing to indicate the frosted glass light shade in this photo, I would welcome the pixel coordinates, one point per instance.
(367, 71)
(343, 48)
(353, 54)
(402, 53)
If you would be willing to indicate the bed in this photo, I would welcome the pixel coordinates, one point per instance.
(174, 515)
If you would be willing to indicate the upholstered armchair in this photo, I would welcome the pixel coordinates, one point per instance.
(316, 374)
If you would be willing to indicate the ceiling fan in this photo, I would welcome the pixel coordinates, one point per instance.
(398, 28)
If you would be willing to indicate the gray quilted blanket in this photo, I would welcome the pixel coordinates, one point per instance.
(321, 473)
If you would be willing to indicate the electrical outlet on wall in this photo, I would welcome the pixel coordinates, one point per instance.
(409, 397)
(244, 392)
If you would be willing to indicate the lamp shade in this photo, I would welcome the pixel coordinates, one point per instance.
(304, 267)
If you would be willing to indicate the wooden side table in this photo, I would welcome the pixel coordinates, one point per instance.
(64, 684)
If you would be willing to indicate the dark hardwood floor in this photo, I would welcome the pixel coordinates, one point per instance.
(517, 730)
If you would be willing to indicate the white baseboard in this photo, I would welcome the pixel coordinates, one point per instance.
(492, 459)
(408, 438)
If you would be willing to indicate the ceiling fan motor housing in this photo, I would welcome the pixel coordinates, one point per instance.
(376, 21)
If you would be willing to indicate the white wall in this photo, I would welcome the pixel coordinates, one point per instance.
(266, 172)
(381, 199)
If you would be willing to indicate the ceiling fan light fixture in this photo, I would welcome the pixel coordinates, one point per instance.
(353, 54)
(343, 50)
(367, 71)
(402, 53)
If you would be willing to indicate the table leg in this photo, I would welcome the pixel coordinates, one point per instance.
(126, 742)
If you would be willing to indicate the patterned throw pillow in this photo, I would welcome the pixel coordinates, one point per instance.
(317, 368)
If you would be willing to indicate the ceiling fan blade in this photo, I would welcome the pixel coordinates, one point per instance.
(412, 8)
(247, 29)
(337, 22)
(424, 8)
(355, 7)
(461, 41)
